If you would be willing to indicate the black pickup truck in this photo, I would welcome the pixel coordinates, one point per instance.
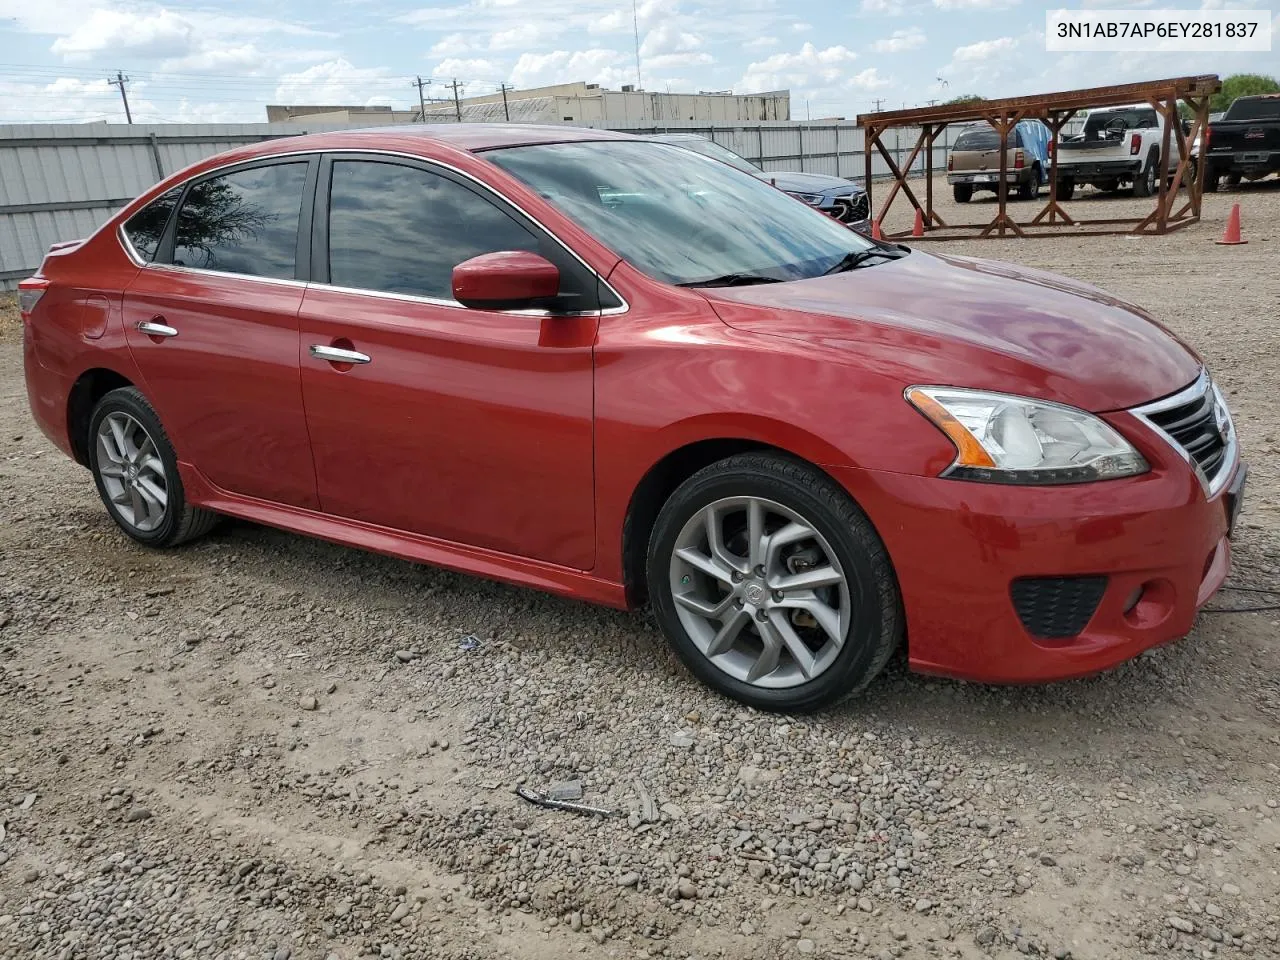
(1245, 143)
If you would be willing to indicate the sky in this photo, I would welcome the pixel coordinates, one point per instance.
(223, 61)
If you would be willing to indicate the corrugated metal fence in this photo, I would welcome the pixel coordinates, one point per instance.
(61, 181)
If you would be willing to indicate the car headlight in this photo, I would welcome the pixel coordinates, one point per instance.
(813, 199)
(1006, 439)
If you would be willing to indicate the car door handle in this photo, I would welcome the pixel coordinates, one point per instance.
(154, 328)
(337, 354)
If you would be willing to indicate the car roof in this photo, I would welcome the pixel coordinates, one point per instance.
(464, 136)
(675, 137)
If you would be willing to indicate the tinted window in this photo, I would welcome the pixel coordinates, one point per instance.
(1264, 108)
(402, 230)
(679, 216)
(978, 140)
(709, 148)
(145, 228)
(1117, 121)
(245, 222)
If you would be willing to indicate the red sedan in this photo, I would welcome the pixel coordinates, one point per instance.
(620, 371)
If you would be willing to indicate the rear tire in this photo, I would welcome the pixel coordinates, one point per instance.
(1233, 179)
(1066, 189)
(1212, 180)
(760, 634)
(1029, 188)
(136, 472)
(963, 192)
(1148, 179)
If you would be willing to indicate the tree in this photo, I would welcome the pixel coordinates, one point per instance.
(1242, 85)
(964, 98)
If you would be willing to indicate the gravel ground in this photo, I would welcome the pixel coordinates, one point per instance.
(263, 746)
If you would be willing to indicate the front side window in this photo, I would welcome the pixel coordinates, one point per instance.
(401, 229)
(678, 216)
(146, 227)
(243, 222)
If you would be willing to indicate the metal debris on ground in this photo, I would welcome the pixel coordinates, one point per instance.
(542, 800)
(469, 642)
(565, 790)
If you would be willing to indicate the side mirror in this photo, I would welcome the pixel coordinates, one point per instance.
(508, 280)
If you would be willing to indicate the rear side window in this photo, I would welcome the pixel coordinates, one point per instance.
(244, 222)
(146, 227)
(401, 229)
(978, 140)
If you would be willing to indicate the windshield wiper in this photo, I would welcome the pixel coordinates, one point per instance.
(856, 258)
(731, 280)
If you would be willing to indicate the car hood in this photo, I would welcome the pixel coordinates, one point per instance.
(958, 321)
(811, 183)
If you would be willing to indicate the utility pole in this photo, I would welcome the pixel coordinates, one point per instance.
(422, 103)
(120, 81)
(457, 104)
(506, 111)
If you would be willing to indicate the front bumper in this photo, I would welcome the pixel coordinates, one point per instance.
(957, 547)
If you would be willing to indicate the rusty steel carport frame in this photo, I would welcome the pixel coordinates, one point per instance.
(1054, 109)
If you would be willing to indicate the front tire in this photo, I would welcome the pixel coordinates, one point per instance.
(771, 584)
(136, 472)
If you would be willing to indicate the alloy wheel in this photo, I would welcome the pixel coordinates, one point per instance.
(132, 472)
(760, 592)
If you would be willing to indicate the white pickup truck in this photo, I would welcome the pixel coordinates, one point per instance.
(1119, 146)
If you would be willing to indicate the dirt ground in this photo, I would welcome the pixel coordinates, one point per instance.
(262, 746)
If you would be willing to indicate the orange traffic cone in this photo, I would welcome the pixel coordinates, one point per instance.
(1231, 236)
(875, 230)
(918, 229)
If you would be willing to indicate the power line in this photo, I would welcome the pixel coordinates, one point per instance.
(120, 82)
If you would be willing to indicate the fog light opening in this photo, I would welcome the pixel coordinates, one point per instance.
(1150, 604)
(1133, 600)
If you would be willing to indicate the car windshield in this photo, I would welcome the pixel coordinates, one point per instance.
(709, 148)
(678, 216)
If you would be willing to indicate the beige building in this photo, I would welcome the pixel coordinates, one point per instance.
(584, 104)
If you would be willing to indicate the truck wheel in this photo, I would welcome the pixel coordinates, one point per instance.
(963, 192)
(1233, 179)
(1066, 189)
(1147, 181)
(1212, 180)
(1029, 188)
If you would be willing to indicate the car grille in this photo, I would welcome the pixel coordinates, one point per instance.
(852, 209)
(1197, 424)
(1054, 608)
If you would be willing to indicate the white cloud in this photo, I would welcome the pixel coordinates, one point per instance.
(668, 38)
(868, 79)
(334, 81)
(900, 40)
(243, 60)
(665, 60)
(760, 43)
(473, 68)
(153, 35)
(806, 67)
(984, 49)
(520, 37)
(450, 46)
(975, 4)
(801, 27)
(597, 65)
(883, 8)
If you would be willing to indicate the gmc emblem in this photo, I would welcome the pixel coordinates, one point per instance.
(1254, 133)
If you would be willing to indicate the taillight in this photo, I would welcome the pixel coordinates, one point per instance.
(1204, 137)
(1019, 160)
(951, 164)
(29, 293)
(1135, 144)
(1053, 144)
